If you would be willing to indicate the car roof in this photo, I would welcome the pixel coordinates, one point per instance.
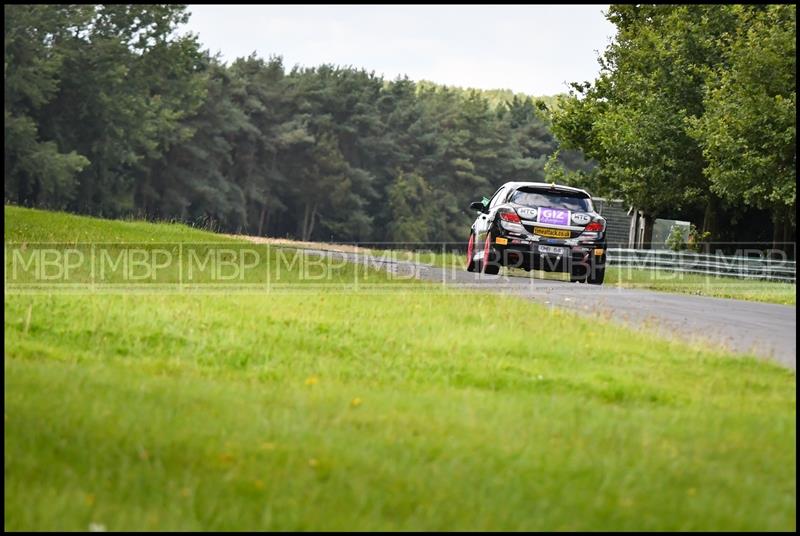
(546, 185)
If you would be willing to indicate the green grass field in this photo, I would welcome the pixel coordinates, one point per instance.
(701, 285)
(409, 409)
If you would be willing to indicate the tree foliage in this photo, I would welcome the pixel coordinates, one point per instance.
(748, 131)
(694, 107)
(110, 111)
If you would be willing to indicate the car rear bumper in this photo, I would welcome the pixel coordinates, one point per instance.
(528, 256)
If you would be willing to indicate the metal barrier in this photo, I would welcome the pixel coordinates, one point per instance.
(699, 263)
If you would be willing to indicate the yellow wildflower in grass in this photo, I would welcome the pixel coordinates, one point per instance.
(312, 380)
(355, 402)
(313, 462)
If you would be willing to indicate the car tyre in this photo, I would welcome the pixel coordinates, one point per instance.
(471, 252)
(488, 267)
(597, 276)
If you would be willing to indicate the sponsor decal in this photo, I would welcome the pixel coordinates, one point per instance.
(581, 219)
(555, 233)
(556, 216)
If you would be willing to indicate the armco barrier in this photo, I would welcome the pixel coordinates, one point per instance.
(749, 267)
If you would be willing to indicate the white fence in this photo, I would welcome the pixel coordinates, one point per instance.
(749, 267)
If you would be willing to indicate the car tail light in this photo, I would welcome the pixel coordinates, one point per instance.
(510, 216)
(594, 226)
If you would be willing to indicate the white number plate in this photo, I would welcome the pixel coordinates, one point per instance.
(551, 250)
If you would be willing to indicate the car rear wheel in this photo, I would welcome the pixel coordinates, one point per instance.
(471, 252)
(597, 276)
(593, 272)
(487, 266)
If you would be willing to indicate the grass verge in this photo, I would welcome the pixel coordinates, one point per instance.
(413, 410)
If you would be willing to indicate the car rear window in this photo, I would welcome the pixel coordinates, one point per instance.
(544, 198)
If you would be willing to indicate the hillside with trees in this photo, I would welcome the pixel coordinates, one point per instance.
(110, 111)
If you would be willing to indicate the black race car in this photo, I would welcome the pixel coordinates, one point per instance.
(540, 226)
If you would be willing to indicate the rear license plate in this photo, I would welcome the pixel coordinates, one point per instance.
(551, 250)
(553, 233)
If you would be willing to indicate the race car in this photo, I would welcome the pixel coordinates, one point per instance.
(539, 226)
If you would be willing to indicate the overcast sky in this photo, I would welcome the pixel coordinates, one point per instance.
(530, 49)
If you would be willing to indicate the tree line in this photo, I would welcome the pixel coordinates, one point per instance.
(110, 111)
(694, 113)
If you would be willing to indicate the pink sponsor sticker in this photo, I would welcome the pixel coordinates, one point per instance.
(557, 216)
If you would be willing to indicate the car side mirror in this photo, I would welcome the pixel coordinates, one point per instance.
(478, 205)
